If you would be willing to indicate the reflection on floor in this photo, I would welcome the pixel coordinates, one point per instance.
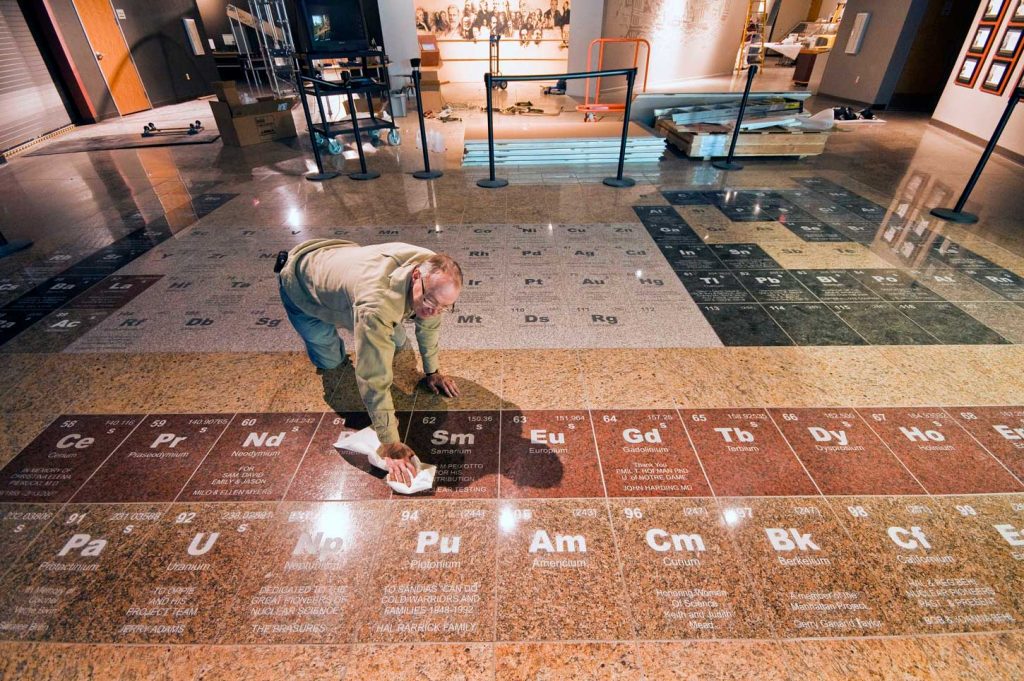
(747, 425)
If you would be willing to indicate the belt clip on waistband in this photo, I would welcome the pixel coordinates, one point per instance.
(282, 258)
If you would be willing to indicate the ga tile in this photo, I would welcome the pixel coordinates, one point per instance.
(568, 661)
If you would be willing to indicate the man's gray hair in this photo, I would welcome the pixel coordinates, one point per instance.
(440, 263)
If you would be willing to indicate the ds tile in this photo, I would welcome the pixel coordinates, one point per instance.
(999, 429)
(548, 454)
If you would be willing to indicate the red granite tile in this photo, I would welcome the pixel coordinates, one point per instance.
(548, 454)
(464, 447)
(329, 474)
(999, 429)
(19, 525)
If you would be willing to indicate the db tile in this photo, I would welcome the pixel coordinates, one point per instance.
(548, 454)
(464, 447)
(331, 474)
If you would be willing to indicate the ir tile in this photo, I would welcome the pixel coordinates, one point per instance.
(464, 447)
(999, 429)
(331, 474)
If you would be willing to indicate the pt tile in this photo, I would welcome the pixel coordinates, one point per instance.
(647, 454)
(548, 454)
(317, 566)
(419, 662)
(254, 459)
(683, 575)
(55, 464)
(805, 568)
(919, 556)
(842, 454)
(882, 324)
(940, 454)
(156, 460)
(813, 324)
(19, 525)
(744, 325)
(566, 662)
(558, 574)
(70, 569)
(434, 574)
(950, 324)
(464, 447)
(331, 474)
(744, 454)
(999, 429)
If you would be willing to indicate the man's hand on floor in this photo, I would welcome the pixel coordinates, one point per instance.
(397, 456)
(440, 384)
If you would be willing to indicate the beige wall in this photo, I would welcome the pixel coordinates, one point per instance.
(791, 12)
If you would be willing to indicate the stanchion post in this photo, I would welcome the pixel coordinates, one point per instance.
(363, 173)
(729, 163)
(491, 182)
(320, 175)
(426, 173)
(619, 180)
(957, 214)
(9, 247)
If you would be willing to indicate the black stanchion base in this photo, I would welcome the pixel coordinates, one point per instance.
(427, 174)
(12, 247)
(727, 165)
(492, 184)
(368, 175)
(953, 216)
(320, 177)
(616, 182)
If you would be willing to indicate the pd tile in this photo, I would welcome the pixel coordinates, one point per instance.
(744, 454)
(941, 455)
(842, 454)
(744, 325)
(558, 576)
(647, 454)
(568, 661)
(774, 286)
(882, 324)
(254, 459)
(919, 557)
(330, 474)
(548, 454)
(999, 429)
(894, 285)
(54, 465)
(950, 324)
(808, 573)
(1006, 319)
(156, 460)
(419, 662)
(19, 525)
(683, 575)
(464, 447)
(813, 324)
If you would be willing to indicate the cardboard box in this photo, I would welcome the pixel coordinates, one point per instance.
(430, 52)
(430, 77)
(227, 91)
(432, 100)
(254, 123)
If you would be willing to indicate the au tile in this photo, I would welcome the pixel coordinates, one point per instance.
(548, 454)
(572, 662)
(999, 429)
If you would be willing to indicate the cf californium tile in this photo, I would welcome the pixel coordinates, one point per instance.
(464, 447)
(548, 454)
(999, 429)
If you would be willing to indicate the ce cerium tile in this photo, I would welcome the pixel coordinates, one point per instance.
(434, 576)
(809, 574)
(558, 573)
(464, 447)
(548, 454)
(181, 585)
(940, 454)
(625, 379)
(716, 661)
(744, 454)
(19, 525)
(920, 558)
(156, 460)
(330, 474)
(56, 463)
(254, 459)
(70, 568)
(569, 661)
(647, 454)
(682, 573)
(842, 454)
(419, 662)
(999, 429)
(542, 379)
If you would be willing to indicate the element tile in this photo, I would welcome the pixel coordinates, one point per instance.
(548, 454)
(950, 324)
(999, 429)
(464, 447)
(813, 324)
(330, 474)
(744, 325)
(882, 324)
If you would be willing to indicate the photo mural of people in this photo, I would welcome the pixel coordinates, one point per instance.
(526, 21)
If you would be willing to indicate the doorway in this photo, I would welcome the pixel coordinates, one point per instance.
(112, 55)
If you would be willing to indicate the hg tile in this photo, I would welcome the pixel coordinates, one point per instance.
(558, 576)
(813, 324)
(330, 474)
(999, 429)
(464, 447)
(548, 454)
(950, 324)
(882, 324)
(744, 325)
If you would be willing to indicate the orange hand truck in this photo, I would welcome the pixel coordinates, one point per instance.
(590, 108)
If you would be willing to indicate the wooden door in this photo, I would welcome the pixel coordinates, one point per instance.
(113, 56)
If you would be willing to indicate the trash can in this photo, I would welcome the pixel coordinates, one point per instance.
(398, 102)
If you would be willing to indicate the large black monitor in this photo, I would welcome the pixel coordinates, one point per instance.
(332, 25)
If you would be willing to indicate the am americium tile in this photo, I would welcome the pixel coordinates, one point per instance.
(940, 454)
(558, 576)
(744, 454)
(330, 474)
(923, 562)
(683, 573)
(548, 454)
(464, 447)
(999, 429)
(842, 454)
(744, 325)
(647, 454)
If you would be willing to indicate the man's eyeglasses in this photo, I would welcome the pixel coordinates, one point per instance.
(431, 301)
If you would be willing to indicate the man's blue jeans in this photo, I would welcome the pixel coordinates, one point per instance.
(323, 344)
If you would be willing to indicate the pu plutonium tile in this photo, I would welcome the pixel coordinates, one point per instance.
(882, 323)
(744, 325)
(181, 585)
(647, 454)
(999, 429)
(950, 324)
(744, 257)
(813, 324)
(558, 577)
(714, 287)
(682, 572)
(56, 463)
(953, 285)
(311, 587)
(70, 568)
(254, 459)
(744, 454)
(834, 286)
(1005, 318)
(330, 474)
(434, 574)
(948, 252)
(114, 292)
(1007, 284)
(921, 559)
(808, 573)
(156, 460)
(548, 454)
(842, 454)
(774, 286)
(19, 525)
(464, 447)
(895, 285)
(940, 454)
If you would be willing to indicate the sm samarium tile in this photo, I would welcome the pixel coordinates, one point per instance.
(548, 454)
(569, 661)
(999, 429)
(558, 576)
(422, 662)
(464, 447)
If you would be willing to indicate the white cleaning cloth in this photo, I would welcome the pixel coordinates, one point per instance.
(366, 442)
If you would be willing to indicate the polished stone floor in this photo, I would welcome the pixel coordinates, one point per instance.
(759, 424)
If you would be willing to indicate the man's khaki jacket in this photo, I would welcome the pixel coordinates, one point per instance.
(364, 289)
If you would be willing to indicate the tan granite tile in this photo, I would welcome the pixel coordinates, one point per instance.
(705, 378)
(218, 382)
(624, 379)
(422, 662)
(957, 375)
(566, 662)
(17, 429)
(715, 660)
(824, 256)
(41, 662)
(478, 374)
(305, 388)
(895, 658)
(15, 368)
(267, 663)
(542, 379)
(970, 657)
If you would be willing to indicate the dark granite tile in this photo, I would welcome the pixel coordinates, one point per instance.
(1007, 284)
(882, 324)
(953, 285)
(941, 455)
(714, 287)
(809, 228)
(954, 255)
(774, 286)
(464, 447)
(999, 429)
(647, 454)
(894, 285)
(548, 454)
(685, 197)
(744, 325)
(744, 454)
(329, 474)
(950, 324)
(114, 292)
(744, 257)
(19, 525)
(1006, 319)
(813, 324)
(834, 286)
(688, 257)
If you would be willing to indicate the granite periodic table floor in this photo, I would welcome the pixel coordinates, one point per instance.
(759, 425)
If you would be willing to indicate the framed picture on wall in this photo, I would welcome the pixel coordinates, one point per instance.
(994, 10)
(968, 71)
(996, 77)
(982, 39)
(1010, 42)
